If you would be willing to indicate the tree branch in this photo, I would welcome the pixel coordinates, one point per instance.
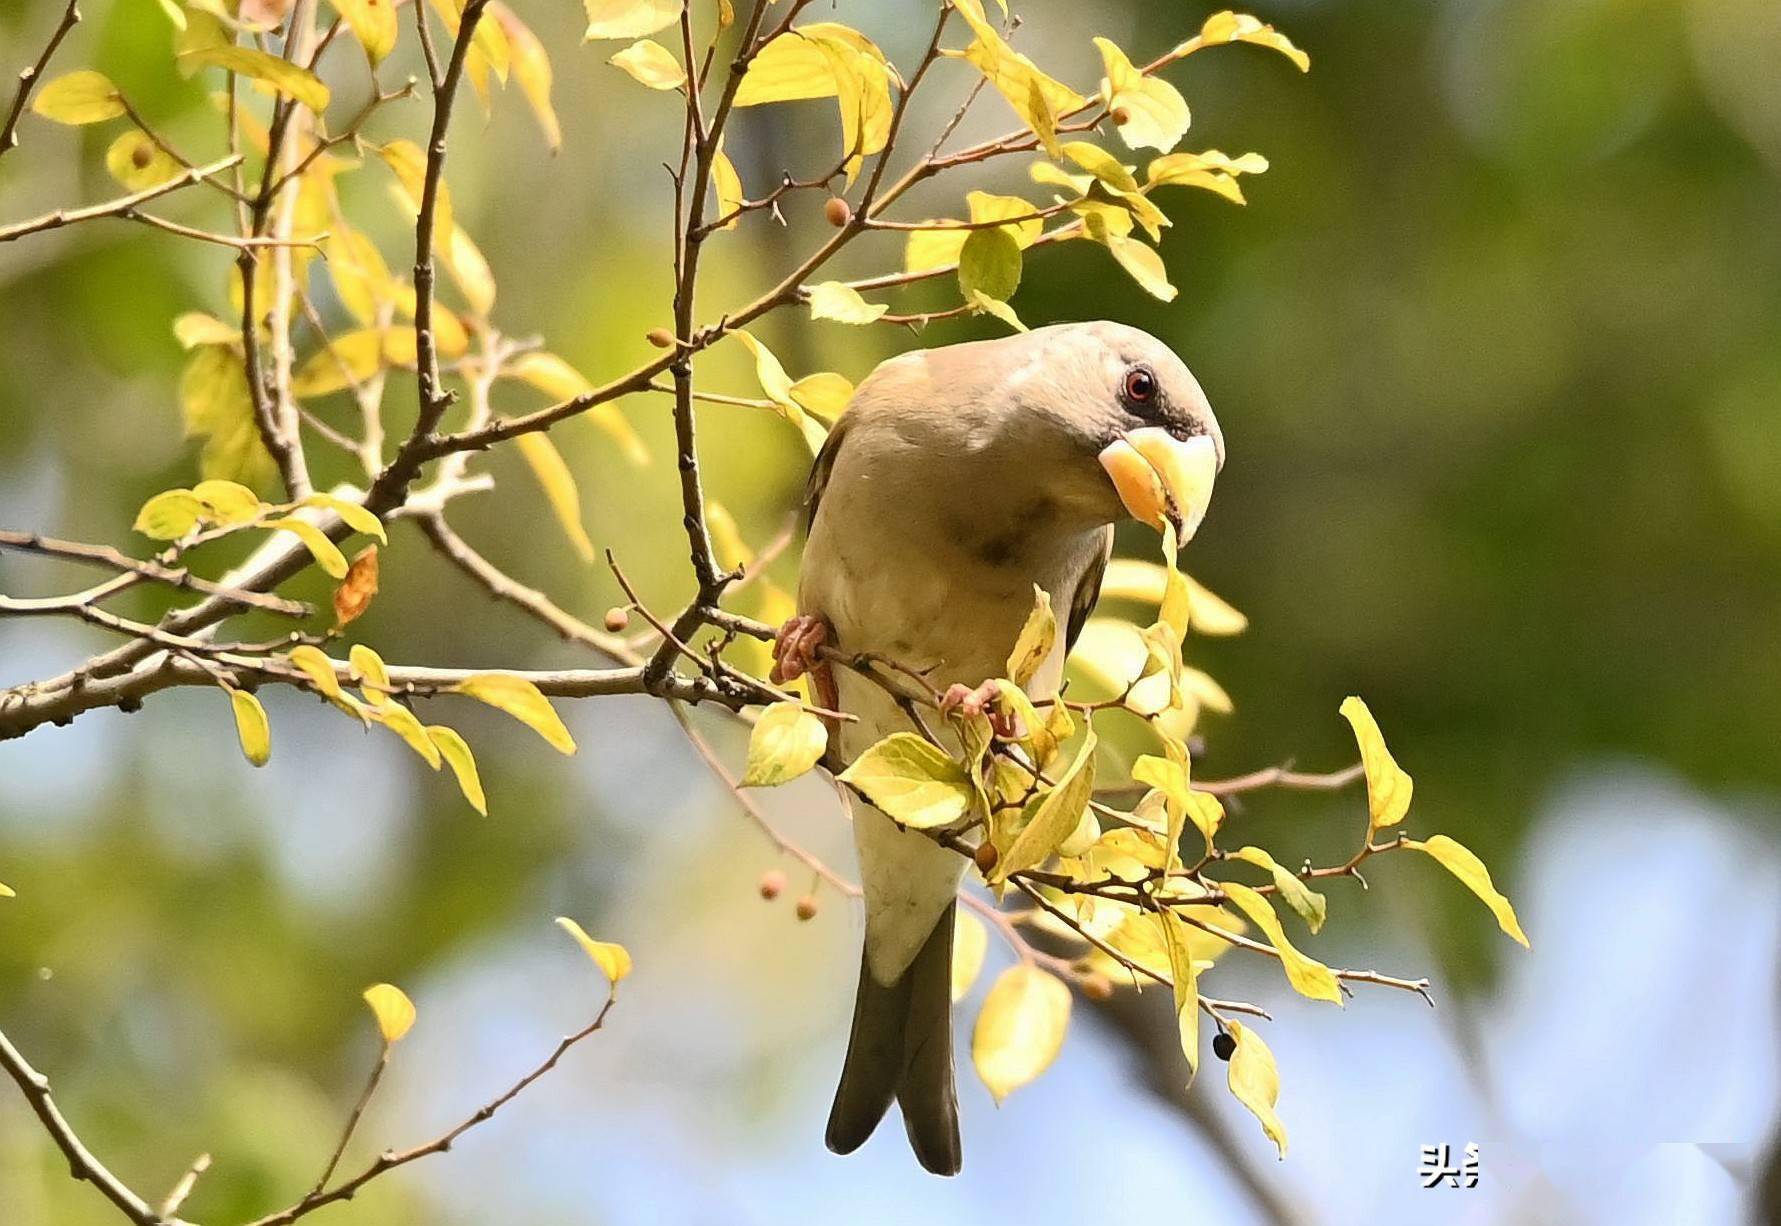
(29, 77)
(81, 1162)
(114, 208)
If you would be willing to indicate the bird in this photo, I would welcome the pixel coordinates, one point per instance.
(955, 481)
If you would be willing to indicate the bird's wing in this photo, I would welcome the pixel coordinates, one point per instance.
(1088, 590)
(821, 469)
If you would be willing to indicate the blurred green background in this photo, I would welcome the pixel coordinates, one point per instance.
(1496, 345)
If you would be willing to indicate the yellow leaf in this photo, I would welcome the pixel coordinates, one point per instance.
(1388, 787)
(912, 781)
(284, 76)
(1184, 978)
(628, 18)
(821, 60)
(1149, 111)
(214, 403)
(401, 721)
(1308, 976)
(531, 68)
(368, 666)
(361, 278)
(824, 394)
(1229, 27)
(392, 1009)
(79, 98)
(195, 328)
(1255, 1081)
(252, 727)
(928, 250)
(982, 303)
(1307, 903)
(786, 741)
(557, 379)
(138, 163)
(1144, 265)
(356, 516)
(326, 553)
(1170, 777)
(228, 502)
(990, 264)
(771, 376)
(843, 304)
(373, 23)
(728, 186)
(470, 272)
(318, 668)
(7, 891)
(651, 64)
(1459, 860)
(1035, 641)
(1020, 1029)
(169, 515)
(1037, 98)
(1055, 818)
(409, 165)
(970, 941)
(613, 960)
(558, 484)
(522, 700)
(456, 752)
(1146, 582)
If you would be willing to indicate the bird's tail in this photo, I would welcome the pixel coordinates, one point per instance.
(901, 1047)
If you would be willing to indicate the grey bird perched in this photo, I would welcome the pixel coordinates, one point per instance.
(956, 480)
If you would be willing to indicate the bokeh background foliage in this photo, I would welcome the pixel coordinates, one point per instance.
(1497, 347)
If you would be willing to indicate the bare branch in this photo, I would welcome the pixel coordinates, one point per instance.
(29, 77)
(177, 576)
(81, 1162)
(115, 208)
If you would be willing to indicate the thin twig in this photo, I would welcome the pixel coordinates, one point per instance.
(112, 208)
(105, 555)
(30, 76)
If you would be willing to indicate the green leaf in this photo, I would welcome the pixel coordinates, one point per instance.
(787, 741)
(912, 781)
(252, 727)
(1020, 1029)
(1307, 903)
(1308, 976)
(287, 78)
(989, 263)
(524, 701)
(1459, 860)
(169, 515)
(1255, 1081)
(79, 98)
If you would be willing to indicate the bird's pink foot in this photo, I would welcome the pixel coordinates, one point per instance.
(984, 700)
(795, 647)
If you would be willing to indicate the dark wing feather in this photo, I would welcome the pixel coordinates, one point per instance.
(1088, 590)
(822, 469)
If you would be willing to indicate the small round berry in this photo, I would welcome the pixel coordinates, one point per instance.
(772, 884)
(661, 338)
(617, 618)
(837, 212)
(140, 157)
(807, 907)
(985, 857)
(1121, 116)
(1223, 1046)
(1096, 986)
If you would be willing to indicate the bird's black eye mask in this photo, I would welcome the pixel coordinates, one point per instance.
(1141, 394)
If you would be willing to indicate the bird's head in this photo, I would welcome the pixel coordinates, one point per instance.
(1125, 400)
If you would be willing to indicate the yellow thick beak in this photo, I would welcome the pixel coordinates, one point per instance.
(1161, 478)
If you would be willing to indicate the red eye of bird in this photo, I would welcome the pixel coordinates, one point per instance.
(1140, 385)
